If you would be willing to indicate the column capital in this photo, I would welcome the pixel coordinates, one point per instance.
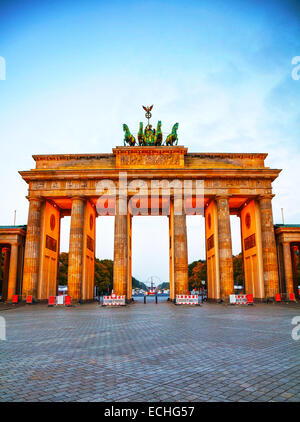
(78, 198)
(15, 243)
(35, 198)
(266, 196)
(222, 196)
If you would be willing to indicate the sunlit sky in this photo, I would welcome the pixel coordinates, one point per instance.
(75, 71)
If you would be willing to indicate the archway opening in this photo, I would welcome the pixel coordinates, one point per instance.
(197, 268)
(104, 255)
(238, 269)
(150, 254)
(63, 261)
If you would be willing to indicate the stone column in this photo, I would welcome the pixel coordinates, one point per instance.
(288, 269)
(225, 248)
(32, 249)
(129, 269)
(171, 250)
(180, 249)
(121, 247)
(294, 268)
(1, 281)
(5, 273)
(13, 269)
(76, 249)
(271, 281)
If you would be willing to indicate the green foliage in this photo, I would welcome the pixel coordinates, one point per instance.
(104, 274)
(238, 271)
(63, 269)
(197, 273)
(136, 284)
(163, 286)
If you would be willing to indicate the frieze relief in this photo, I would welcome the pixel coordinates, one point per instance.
(237, 183)
(144, 160)
(55, 185)
(76, 185)
(221, 185)
(38, 185)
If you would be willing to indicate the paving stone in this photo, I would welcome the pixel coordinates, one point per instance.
(150, 353)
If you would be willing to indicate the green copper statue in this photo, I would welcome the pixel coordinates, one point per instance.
(149, 136)
(173, 138)
(128, 139)
(158, 138)
(141, 136)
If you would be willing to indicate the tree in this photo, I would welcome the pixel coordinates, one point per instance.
(104, 274)
(136, 284)
(238, 270)
(163, 286)
(63, 269)
(197, 273)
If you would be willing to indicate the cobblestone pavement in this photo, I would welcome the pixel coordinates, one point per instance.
(150, 352)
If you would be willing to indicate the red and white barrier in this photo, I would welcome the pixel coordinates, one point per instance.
(285, 297)
(277, 297)
(68, 300)
(15, 299)
(60, 300)
(250, 299)
(113, 300)
(29, 299)
(186, 299)
(51, 300)
(241, 299)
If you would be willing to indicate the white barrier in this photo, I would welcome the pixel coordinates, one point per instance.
(60, 300)
(113, 300)
(240, 299)
(186, 299)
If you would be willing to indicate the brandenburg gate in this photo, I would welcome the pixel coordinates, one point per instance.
(62, 185)
(150, 177)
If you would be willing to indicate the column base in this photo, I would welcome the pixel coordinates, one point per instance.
(84, 301)
(128, 301)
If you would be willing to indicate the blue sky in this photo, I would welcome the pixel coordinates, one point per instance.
(75, 71)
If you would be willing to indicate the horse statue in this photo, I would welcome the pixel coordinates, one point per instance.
(173, 138)
(141, 136)
(128, 138)
(158, 137)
